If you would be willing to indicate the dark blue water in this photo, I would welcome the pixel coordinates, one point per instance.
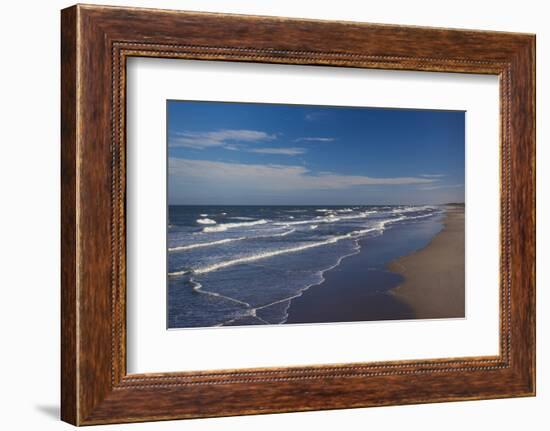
(243, 265)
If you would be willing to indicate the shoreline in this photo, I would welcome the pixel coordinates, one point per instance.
(410, 272)
(359, 289)
(434, 278)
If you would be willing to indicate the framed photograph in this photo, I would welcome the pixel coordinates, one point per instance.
(264, 214)
(264, 221)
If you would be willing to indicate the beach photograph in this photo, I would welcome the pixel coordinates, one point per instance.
(306, 214)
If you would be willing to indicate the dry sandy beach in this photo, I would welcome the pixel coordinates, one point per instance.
(433, 284)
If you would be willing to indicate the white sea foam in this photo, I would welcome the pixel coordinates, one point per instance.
(411, 209)
(242, 218)
(206, 221)
(177, 273)
(203, 215)
(197, 287)
(288, 232)
(205, 244)
(314, 226)
(422, 216)
(224, 226)
(331, 218)
(227, 241)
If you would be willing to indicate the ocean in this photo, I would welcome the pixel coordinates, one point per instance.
(243, 265)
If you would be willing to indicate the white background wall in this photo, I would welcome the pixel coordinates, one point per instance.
(29, 215)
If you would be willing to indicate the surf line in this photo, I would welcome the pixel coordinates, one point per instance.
(197, 287)
(269, 254)
(205, 244)
(352, 235)
(250, 312)
(247, 259)
(356, 250)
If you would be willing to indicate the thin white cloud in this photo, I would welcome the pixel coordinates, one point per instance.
(271, 177)
(314, 139)
(285, 151)
(232, 147)
(441, 186)
(313, 116)
(432, 175)
(232, 139)
(219, 138)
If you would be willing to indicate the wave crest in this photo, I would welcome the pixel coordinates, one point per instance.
(267, 254)
(224, 226)
(206, 221)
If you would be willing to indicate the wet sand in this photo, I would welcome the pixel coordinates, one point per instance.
(433, 278)
(343, 296)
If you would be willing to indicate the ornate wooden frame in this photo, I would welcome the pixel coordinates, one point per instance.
(96, 41)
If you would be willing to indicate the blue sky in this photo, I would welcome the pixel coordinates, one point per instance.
(267, 154)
